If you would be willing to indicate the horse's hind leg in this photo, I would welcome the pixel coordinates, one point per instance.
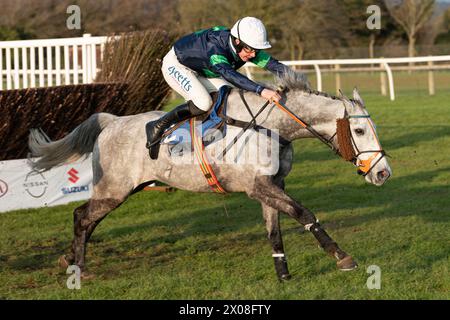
(86, 222)
(78, 213)
(271, 217)
(85, 219)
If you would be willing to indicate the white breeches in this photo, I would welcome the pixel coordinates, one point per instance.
(188, 83)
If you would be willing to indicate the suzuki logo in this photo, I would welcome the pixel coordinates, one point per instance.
(73, 175)
(3, 188)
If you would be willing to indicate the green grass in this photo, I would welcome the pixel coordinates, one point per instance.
(188, 246)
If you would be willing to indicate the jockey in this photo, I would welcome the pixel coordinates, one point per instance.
(206, 60)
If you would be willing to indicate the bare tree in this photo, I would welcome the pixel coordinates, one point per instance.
(313, 28)
(359, 32)
(412, 16)
(433, 28)
(436, 29)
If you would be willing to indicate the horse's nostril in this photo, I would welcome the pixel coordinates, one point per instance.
(382, 174)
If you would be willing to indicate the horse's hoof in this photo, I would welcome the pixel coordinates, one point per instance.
(347, 264)
(284, 277)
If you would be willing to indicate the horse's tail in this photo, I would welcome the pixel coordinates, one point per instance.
(70, 148)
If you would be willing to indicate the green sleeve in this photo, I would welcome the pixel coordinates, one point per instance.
(218, 58)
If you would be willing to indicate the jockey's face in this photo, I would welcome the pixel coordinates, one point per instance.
(246, 53)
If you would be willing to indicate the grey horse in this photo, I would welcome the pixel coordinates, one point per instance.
(121, 163)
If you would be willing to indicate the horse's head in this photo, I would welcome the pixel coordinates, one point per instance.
(354, 136)
(358, 141)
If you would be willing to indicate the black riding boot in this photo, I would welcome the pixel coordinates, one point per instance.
(155, 129)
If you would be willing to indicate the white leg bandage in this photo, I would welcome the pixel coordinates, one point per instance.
(309, 225)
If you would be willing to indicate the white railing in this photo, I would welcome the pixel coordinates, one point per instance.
(383, 63)
(49, 62)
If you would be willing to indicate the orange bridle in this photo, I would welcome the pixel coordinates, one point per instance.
(365, 166)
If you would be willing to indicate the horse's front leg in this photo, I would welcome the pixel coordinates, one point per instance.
(271, 217)
(272, 195)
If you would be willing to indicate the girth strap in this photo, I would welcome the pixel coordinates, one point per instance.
(199, 150)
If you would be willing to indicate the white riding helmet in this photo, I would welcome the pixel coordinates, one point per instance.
(252, 32)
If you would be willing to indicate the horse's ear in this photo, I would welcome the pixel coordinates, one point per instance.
(357, 97)
(349, 107)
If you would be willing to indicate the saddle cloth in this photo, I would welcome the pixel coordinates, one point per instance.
(208, 128)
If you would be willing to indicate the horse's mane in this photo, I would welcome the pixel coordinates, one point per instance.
(297, 81)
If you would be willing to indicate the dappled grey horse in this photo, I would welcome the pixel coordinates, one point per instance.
(121, 163)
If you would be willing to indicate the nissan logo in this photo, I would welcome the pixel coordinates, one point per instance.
(35, 184)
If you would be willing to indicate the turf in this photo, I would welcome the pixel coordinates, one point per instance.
(183, 245)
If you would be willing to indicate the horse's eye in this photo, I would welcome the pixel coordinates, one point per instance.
(359, 132)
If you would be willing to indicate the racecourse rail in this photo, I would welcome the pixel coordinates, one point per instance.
(49, 62)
